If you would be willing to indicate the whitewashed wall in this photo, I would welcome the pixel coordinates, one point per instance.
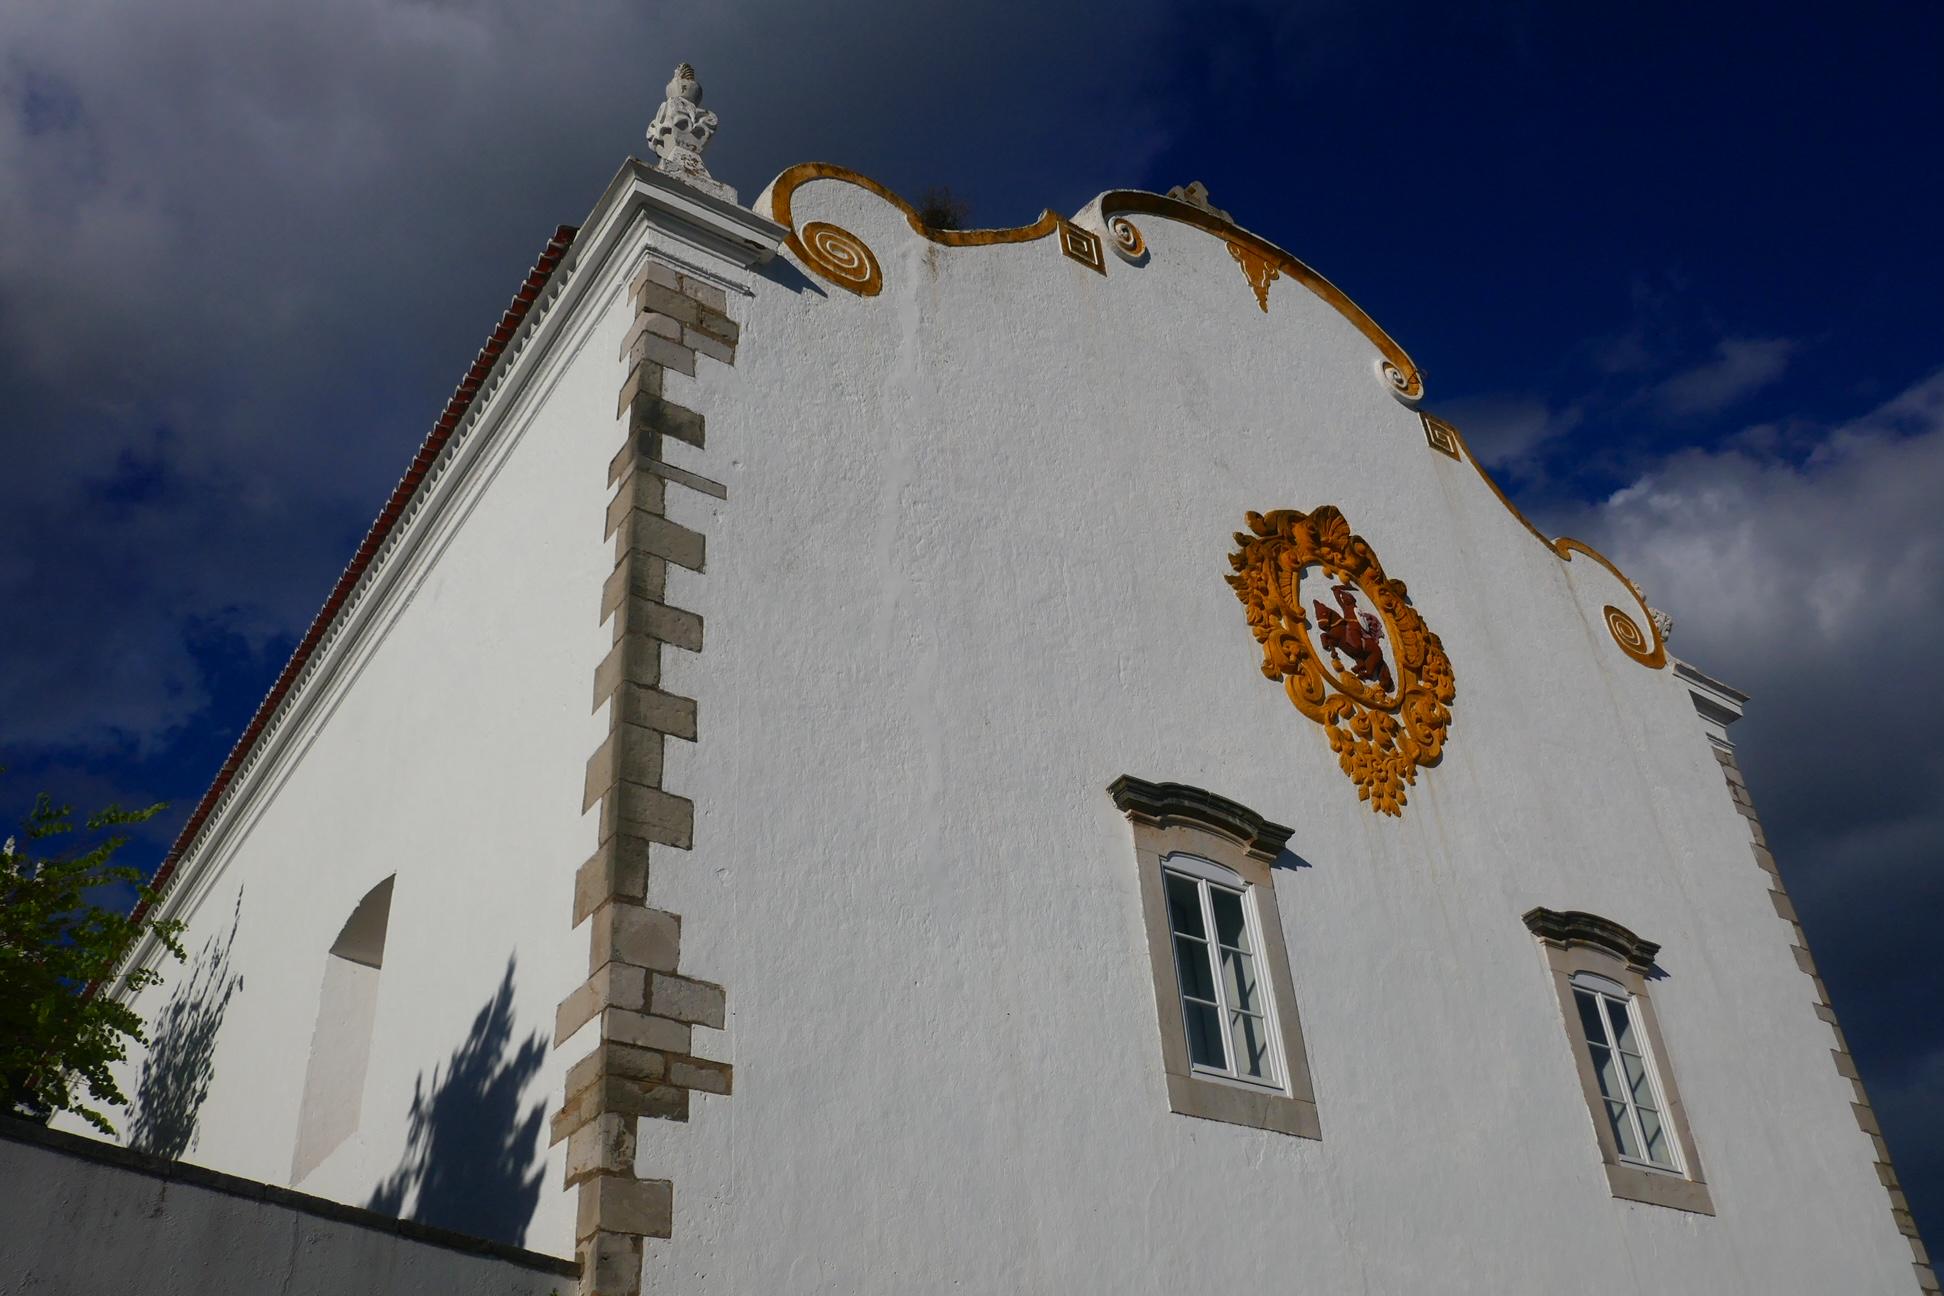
(970, 569)
(448, 750)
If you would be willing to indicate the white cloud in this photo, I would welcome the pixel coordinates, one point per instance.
(1506, 430)
(1796, 555)
(1816, 583)
(1739, 368)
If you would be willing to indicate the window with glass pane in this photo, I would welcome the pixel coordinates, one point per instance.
(1224, 1005)
(1628, 1093)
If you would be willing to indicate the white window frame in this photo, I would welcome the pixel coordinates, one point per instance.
(1611, 991)
(1193, 833)
(1207, 874)
(1585, 952)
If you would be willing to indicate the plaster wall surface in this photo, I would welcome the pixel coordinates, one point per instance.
(81, 1224)
(448, 750)
(969, 569)
(340, 1052)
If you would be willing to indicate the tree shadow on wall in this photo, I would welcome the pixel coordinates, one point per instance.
(182, 1047)
(472, 1158)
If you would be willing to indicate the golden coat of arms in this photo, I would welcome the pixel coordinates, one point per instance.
(1350, 650)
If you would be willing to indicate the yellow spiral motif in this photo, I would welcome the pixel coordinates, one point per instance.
(1629, 636)
(1409, 386)
(841, 257)
(1127, 239)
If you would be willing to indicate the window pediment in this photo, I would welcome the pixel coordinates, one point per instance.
(1573, 927)
(1175, 805)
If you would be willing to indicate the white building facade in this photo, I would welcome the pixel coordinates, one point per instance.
(865, 758)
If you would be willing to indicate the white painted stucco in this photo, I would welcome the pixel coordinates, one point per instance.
(970, 569)
(443, 742)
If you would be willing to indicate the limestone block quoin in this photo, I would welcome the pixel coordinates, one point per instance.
(642, 1008)
(1845, 1065)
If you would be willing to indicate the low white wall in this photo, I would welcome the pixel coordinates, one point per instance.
(86, 1219)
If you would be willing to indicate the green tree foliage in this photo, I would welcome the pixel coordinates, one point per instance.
(57, 939)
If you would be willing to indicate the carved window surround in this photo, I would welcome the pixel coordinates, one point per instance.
(1173, 819)
(1583, 944)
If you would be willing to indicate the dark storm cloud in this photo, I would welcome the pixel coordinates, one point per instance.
(245, 248)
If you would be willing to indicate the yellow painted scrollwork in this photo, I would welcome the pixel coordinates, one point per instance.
(1408, 386)
(1440, 436)
(1261, 260)
(1399, 373)
(1259, 270)
(1644, 646)
(1382, 724)
(1082, 246)
(1647, 646)
(1627, 633)
(841, 257)
(782, 192)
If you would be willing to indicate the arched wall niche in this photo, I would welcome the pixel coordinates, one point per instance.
(347, 1006)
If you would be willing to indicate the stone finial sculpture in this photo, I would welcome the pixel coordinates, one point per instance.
(1662, 622)
(681, 130)
(1195, 193)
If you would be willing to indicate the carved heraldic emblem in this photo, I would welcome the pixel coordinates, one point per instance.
(1350, 650)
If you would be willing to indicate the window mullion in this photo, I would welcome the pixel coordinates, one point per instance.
(1650, 1069)
(1606, 1030)
(1214, 948)
(1272, 1032)
(1626, 1081)
(1619, 1066)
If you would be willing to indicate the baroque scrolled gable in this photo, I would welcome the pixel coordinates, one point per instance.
(839, 256)
(1645, 639)
(835, 254)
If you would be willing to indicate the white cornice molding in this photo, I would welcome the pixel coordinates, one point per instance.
(1718, 705)
(710, 235)
(712, 226)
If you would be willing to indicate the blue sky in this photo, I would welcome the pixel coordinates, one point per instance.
(1675, 271)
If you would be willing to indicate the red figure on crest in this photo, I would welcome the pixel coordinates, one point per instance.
(1357, 635)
